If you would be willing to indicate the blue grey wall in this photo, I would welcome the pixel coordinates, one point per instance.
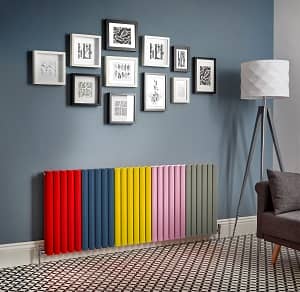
(40, 131)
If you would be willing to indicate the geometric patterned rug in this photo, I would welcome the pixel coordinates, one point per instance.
(239, 264)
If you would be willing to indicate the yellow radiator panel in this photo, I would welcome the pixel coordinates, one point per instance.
(148, 205)
(130, 205)
(124, 212)
(142, 204)
(117, 207)
(136, 205)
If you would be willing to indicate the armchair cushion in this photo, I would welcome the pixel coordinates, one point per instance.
(285, 191)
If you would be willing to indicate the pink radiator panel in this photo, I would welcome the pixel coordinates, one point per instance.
(160, 203)
(182, 201)
(171, 202)
(154, 203)
(177, 201)
(166, 202)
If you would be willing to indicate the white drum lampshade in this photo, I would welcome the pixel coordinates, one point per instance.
(265, 78)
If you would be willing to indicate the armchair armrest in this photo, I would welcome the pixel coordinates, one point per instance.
(264, 200)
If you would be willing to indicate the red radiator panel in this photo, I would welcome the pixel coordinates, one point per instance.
(64, 211)
(78, 240)
(48, 212)
(56, 212)
(71, 215)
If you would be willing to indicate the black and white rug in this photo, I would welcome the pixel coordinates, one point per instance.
(240, 264)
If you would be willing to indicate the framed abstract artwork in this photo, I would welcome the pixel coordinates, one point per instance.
(204, 75)
(121, 71)
(180, 90)
(121, 35)
(121, 108)
(49, 68)
(181, 59)
(156, 51)
(85, 89)
(154, 92)
(85, 50)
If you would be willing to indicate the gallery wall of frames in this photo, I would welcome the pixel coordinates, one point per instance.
(49, 68)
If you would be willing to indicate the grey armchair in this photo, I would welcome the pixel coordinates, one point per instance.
(283, 229)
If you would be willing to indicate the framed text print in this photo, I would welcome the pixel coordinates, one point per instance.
(121, 108)
(121, 71)
(86, 89)
(156, 51)
(85, 50)
(180, 90)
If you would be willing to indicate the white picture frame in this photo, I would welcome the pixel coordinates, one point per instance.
(121, 109)
(85, 50)
(154, 92)
(156, 51)
(48, 68)
(121, 71)
(180, 90)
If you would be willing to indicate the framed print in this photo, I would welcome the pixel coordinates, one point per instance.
(154, 92)
(49, 68)
(181, 59)
(180, 90)
(121, 108)
(121, 35)
(121, 71)
(204, 75)
(156, 51)
(85, 89)
(85, 50)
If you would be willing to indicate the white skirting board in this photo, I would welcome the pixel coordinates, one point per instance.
(25, 253)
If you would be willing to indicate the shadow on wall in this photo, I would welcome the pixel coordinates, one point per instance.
(231, 166)
(37, 203)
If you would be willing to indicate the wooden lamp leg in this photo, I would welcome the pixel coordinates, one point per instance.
(275, 253)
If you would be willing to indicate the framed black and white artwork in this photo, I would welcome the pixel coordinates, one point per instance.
(204, 75)
(154, 92)
(86, 89)
(121, 108)
(49, 68)
(181, 59)
(180, 90)
(85, 50)
(121, 71)
(121, 35)
(156, 51)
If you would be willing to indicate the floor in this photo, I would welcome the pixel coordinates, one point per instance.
(239, 264)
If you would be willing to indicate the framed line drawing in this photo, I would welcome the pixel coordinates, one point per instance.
(121, 109)
(121, 35)
(156, 51)
(86, 89)
(180, 90)
(121, 71)
(49, 67)
(204, 75)
(154, 92)
(85, 51)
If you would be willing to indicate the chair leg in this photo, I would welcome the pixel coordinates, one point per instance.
(275, 253)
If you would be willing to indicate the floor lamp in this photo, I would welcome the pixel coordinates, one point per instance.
(260, 80)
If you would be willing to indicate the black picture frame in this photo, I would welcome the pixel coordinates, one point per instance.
(114, 48)
(98, 83)
(111, 122)
(195, 77)
(174, 49)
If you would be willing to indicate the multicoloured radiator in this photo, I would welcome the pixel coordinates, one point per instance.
(98, 208)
